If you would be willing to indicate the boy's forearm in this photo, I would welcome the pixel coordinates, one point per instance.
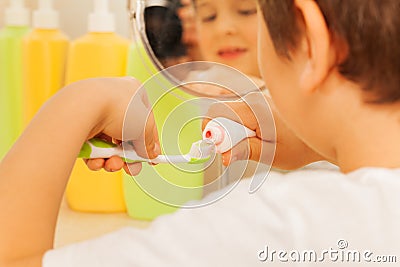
(30, 192)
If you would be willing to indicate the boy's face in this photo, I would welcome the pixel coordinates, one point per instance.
(227, 33)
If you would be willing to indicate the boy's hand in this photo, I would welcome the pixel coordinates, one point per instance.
(127, 105)
(274, 143)
(248, 112)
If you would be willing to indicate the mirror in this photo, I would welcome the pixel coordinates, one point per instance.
(197, 52)
(180, 31)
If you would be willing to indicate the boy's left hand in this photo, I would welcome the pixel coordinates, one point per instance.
(275, 143)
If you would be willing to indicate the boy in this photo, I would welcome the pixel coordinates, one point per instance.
(320, 60)
(227, 33)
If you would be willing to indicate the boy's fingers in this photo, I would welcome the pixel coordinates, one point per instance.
(237, 111)
(95, 164)
(247, 149)
(151, 138)
(250, 149)
(113, 164)
(132, 169)
(148, 144)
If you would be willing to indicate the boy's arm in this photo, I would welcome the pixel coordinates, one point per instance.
(274, 144)
(35, 172)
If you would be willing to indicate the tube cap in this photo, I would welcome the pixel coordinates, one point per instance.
(17, 14)
(215, 133)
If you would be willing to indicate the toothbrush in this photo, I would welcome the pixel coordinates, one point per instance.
(226, 133)
(220, 135)
(200, 152)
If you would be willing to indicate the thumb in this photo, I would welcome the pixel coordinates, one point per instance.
(148, 144)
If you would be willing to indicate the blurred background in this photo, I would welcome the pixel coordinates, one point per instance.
(37, 59)
(73, 15)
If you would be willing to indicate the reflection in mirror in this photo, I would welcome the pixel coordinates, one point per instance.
(227, 32)
(223, 31)
(221, 37)
(164, 31)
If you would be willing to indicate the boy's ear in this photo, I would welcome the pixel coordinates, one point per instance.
(318, 46)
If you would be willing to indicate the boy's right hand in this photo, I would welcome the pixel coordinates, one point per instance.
(127, 104)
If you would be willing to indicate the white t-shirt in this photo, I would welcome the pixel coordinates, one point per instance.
(292, 219)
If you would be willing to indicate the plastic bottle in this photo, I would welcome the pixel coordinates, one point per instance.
(45, 53)
(101, 52)
(16, 27)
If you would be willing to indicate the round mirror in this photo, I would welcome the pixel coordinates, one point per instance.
(190, 55)
(180, 31)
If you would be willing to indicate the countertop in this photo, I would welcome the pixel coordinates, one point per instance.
(73, 226)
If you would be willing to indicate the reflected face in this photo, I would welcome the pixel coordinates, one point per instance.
(227, 33)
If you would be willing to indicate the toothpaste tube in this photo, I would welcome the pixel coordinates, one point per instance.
(226, 133)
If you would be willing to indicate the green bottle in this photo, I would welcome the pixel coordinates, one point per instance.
(16, 28)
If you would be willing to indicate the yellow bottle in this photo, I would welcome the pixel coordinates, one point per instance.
(99, 53)
(44, 58)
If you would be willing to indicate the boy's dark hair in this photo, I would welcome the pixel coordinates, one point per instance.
(370, 28)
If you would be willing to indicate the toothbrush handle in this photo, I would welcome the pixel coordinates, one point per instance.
(98, 148)
(170, 159)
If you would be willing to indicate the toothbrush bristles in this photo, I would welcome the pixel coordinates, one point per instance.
(202, 149)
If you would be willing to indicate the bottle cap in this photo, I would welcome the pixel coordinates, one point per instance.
(101, 20)
(17, 14)
(45, 17)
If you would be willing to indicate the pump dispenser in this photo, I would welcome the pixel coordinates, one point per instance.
(99, 53)
(101, 20)
(45, 17)
(44, 53)
(16, 27)
(17, 14)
